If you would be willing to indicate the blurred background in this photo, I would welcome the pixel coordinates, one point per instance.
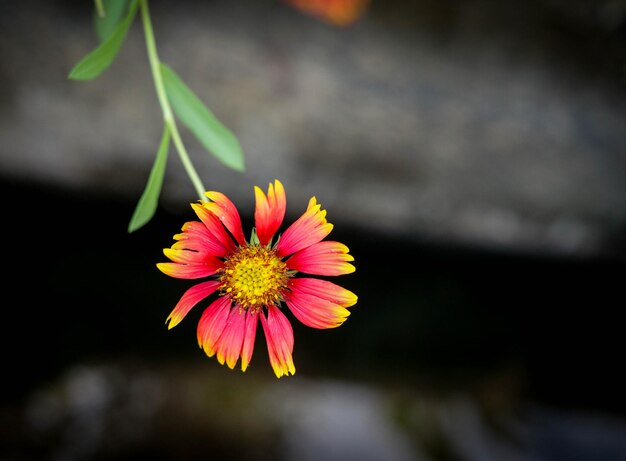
(472, 155)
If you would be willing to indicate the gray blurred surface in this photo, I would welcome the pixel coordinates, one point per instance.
(120, 412)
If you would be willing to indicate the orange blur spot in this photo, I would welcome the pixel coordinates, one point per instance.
(335, 12)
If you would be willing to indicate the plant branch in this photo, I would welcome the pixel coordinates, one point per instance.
(168, 116)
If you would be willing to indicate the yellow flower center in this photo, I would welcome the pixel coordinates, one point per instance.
(253, 277)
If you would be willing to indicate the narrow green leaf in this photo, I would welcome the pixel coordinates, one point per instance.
(99, 59)
(113, 13)
(212, 134)
(147, 205)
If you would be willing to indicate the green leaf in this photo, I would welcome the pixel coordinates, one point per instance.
(98, 60)
(212, 134)
(147, 205)
(113, 13)
(254, 238)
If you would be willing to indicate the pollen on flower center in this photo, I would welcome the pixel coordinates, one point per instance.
(253, 277)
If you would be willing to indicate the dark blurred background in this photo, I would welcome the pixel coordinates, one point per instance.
(472, 155)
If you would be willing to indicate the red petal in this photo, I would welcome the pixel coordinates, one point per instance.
(196, 236)
(322, 289)
(226, 211)
(190, 257)
(308, 229)
(322, 258)
(279, 338)
(228, 346)
(315, 312)
(248, 339)
(215, 227)
(212, 324)
(189, 299)
(269, 211)
(191, 271)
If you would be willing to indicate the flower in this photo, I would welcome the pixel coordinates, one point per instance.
(335, 12)
(252, 279)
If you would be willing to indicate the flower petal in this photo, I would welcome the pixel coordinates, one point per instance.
(212, 323)
(322, 258)
(248, 339)
(191, 271)
(196, 236)
(279, 338)
(308, 229)
(215, 227)
(189, 299)
(269, 211)
(191, 257)
(226, 211)
(315, 312)
(322, 289)
(228, 346)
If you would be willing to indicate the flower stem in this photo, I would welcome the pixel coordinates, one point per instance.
(168, 116)
(99, 8)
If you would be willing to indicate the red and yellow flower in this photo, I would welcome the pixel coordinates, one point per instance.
(252, 279)
(335, 12)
